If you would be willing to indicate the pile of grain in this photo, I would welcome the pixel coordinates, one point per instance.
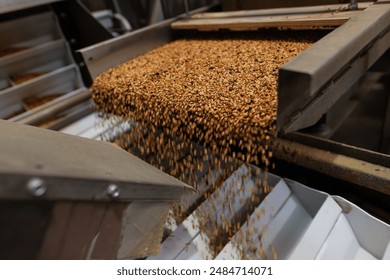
(220, 94)
(36, 101)
(11, 50)
(21, 78)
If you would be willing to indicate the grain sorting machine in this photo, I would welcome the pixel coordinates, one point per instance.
(322, 112)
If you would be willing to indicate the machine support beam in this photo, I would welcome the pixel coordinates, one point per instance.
(366, 174)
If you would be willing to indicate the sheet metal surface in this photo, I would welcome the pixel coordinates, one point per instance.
(7, 6)
(76, 168)
(100, 57)
(311, 83)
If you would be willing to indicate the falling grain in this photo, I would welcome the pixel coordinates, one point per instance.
(218, 93)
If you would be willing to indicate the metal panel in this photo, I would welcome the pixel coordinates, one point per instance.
(315, 235)
(50, 109)
(58, 166)
(266, 4)
(292, 18)
(339, 148)
(70, 116)
(274, 201)
(23, 225)
(349, 169)
(342, 244)
(59, 81)
(142, 229)
(179, 239)
(297, 9)
(7, 6)
(31, 31)
(311, 83)
(374, 241)
(188, 241)
(37, 62)
(84, 230)
(100, 57)
(45, 58)
(110, 53)
(337, 229)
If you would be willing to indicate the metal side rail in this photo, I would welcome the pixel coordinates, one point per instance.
(311, 83)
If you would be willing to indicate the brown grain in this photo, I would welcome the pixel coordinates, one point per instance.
(21, 78)
(219, 94)
(35, 101)
(11, 50)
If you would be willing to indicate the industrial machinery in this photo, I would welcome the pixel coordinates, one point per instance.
(333, 136)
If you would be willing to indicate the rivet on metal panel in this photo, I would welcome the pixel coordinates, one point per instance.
(36, 187)
(113, 191)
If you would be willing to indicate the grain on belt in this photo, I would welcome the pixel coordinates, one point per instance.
(222, 92)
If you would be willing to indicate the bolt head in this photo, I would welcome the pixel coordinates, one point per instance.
(113, 191)
(36, 187)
